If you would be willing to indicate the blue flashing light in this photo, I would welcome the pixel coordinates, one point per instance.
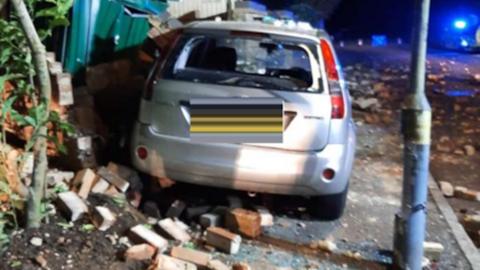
(460, 24)
(464, 43)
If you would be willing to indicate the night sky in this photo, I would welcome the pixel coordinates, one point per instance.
(356, 18)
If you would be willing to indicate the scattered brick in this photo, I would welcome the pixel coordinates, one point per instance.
(223, 240)
(176, 209)
(325, 245)
(447, 188)
(85, 178)
(113, 179)
(469, 150)
(172, 230)
(241, 266)
(141, 234)
(181, 224)
(190, 255)
(72, 205)
(164, 262)
(471, 223)
(55, 177)
(217, 265)
(433, 250)
(103, 218)
(55, 67)
(41, 261)
(100, 186)
(140, 252)
(112, 191)
(62, 88)
(84, 143)
(466, 194)
(266, 218)
(244, 222)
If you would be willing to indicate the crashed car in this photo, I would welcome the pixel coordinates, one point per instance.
(230, 59)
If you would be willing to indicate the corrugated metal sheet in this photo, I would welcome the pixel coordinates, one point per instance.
(204, 8)
(101, 30)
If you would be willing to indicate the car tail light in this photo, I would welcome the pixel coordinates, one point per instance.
(333, 77)
(338, 106)
(328, 174)
(142, 152)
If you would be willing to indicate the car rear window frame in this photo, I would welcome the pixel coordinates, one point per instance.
(168, 68)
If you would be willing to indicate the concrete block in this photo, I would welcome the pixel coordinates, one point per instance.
(223, 240)
(103, 218)
(113, 179)
(140, 252)
(170, 229)
(210, 220)
(71, 205)
(196, 257)
(141, 234)
(244, 222)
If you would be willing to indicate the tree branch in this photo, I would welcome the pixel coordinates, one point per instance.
(36, 192)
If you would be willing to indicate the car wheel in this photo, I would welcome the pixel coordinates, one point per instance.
(328, 207)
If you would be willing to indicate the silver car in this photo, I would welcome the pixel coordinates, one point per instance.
(295, 64)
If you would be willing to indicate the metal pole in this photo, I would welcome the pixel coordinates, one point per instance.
(410, 223)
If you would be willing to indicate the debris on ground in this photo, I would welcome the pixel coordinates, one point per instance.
(245, 222)
(433, 250)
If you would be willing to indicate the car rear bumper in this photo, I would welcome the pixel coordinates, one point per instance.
(244, 167)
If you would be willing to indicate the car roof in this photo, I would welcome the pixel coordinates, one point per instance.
(257, 27)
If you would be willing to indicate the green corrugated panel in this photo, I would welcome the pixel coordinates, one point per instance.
(154, 7)
(102, 30)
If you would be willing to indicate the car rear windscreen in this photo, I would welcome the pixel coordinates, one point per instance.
(245, 60)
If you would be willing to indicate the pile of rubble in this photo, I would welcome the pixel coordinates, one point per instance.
(167, 243)
(371, 94)
(470, 221)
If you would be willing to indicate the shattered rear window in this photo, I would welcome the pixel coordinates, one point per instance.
(247, 61)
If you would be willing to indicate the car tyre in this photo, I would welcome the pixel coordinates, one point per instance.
(328, 207)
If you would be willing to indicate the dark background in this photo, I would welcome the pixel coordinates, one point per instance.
(362, 18)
